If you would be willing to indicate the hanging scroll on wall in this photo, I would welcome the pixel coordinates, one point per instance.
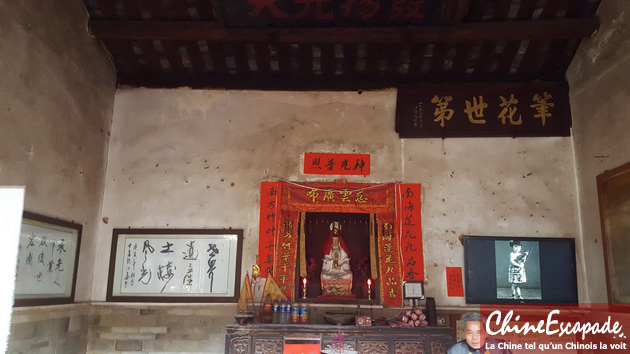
(48, 253)
(531, 109)
(190, 265)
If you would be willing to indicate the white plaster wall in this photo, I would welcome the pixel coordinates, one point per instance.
(600, 104)
(492, 187)
(195, 159)
(56, 99)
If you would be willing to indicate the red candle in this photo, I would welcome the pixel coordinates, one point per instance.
(304, 281)
(369, 284)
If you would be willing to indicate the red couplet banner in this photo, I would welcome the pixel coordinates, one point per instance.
(316, 163)
(269, 215)
(409, 221)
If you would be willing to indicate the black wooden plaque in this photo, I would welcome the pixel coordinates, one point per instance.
(336, 13)
(527, 109)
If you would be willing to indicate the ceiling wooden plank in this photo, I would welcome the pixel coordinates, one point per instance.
(502, 10)
(476, 10)
(180, 10)
(210, 13)
(126, 60)
(217, 53)
(327, 59)
(577, 8)
(416, 59)
(107, 9)
(482, 64)
(570, 51)
(132, 11)
(174, 57)
(284, 58)
(242, 58)
(479, 31)
(532, 59)
(263, 63)
(349, 59)
(194, 57)
(305, 55)
(155, 9)
(462, 57)
(552, 7)
(526, 9)
(373, 54)
(393, 56)
(506, 59)
(552, 63)
(150, 56)
(439, 55)
(461, 10)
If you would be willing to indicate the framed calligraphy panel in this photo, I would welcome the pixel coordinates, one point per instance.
(516, 109)
(178, 265)
(48, 253)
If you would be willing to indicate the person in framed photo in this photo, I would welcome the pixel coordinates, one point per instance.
(476, 340)
(516, 271)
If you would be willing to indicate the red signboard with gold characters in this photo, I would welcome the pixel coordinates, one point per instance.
(316, 163)
(394, 251)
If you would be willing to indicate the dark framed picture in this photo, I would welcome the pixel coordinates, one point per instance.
(177, 265)
(502, 269)
(48, 254)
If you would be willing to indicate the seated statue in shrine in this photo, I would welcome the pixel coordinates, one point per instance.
(336, 274)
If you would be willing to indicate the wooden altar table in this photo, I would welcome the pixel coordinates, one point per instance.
(270, 338)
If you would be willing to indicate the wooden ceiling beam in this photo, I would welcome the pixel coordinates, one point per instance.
(550, 29)
(309, 82)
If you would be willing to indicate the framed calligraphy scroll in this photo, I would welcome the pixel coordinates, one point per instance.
(178, 265)
(48, 253)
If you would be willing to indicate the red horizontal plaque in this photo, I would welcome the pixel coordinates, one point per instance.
(524, 109)
(316, 163)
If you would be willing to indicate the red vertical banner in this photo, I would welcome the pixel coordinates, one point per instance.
(269, 215)
(286, 253)
(454, 283)
(408, 209)
(390, 262)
